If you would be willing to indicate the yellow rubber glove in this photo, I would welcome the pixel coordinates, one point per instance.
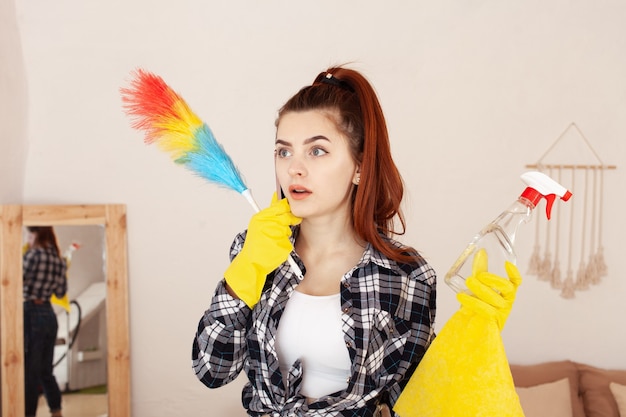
(266, 247)
(465, 371)
(493, 296)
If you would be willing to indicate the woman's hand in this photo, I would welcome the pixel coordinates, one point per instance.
(266, 247)
(492, 295)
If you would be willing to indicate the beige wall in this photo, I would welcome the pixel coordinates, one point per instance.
(13, 108)
(472, 91)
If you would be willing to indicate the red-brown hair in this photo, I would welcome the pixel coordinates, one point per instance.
(44, 237)
(350, 98)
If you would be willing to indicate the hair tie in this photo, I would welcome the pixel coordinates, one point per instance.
(329, 78)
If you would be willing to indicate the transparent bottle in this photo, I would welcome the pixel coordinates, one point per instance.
(498, 237)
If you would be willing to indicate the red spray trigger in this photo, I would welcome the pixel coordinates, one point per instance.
(550, 201)
(540, 185)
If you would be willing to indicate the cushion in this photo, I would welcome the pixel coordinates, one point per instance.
(552, 399)
(619, 393)
(594, 388)
(542, 373)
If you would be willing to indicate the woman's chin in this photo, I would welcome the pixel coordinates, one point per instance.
(299, 213)
(298, 210)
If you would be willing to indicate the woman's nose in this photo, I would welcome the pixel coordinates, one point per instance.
(296, 168)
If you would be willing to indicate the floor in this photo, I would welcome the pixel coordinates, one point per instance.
(77, 405)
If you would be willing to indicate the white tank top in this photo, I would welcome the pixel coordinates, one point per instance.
(310, 330)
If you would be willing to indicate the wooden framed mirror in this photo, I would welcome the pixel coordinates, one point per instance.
(12, 220)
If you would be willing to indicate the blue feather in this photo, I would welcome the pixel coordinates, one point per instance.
(209, 161)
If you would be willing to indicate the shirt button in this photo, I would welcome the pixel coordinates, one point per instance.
(346, 284)
(346, 310)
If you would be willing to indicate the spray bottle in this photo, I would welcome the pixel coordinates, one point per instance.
(69, 251)
(498, 237)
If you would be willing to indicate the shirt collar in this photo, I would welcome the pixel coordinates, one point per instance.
(373, 255)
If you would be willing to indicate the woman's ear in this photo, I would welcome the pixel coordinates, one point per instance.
(356, 178)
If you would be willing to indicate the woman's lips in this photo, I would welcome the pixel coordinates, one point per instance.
(298, 192)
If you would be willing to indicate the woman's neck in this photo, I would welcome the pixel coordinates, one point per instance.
(328, 235)
(329, 249)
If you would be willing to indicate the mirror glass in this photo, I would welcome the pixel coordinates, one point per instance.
(81, 347)
(98, 358)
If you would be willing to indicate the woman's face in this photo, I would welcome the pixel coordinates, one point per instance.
(314, 165)
(30, 238)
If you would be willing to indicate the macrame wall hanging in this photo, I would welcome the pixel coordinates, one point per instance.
(568, 250)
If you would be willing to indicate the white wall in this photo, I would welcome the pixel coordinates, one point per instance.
(473, 91)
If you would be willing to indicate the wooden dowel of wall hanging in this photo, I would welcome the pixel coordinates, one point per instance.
(570, 166)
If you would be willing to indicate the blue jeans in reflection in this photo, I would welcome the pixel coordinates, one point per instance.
(40, 333)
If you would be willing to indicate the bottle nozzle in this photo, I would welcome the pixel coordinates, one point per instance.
(542, 186)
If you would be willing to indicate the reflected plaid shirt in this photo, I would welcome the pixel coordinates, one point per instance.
(44, 274)
(388, 312)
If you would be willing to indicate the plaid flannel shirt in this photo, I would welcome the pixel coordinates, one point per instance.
(43, 274)
(388, 312)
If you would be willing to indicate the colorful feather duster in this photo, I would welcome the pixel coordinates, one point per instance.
(168, 121)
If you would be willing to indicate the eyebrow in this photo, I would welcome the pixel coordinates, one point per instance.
(306, 141)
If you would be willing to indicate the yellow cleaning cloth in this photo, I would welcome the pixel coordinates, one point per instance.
(464, 373)
(63, 302)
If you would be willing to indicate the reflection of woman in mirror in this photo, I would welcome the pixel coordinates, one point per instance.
(343, 339)
(44, 275)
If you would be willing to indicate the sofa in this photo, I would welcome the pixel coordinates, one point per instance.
(568, 388)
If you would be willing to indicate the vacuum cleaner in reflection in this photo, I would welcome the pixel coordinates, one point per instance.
(80, 357)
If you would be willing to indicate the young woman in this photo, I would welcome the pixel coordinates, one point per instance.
(344, 333)
(43, 274)
(340, 333)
